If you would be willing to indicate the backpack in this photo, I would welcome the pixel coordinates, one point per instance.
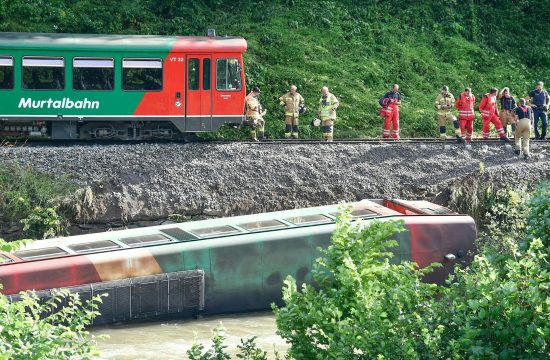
(384, 101)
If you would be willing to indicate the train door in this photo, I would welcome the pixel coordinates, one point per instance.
(198, 98)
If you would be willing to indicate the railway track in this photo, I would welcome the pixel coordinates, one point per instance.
(55, 143)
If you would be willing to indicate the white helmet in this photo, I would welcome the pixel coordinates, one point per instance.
(316, 122)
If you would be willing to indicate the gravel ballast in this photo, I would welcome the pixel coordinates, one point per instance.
(133, 182)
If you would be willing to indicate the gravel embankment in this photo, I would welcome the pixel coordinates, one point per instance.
(151, 181)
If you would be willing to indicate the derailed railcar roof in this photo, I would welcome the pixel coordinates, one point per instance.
(54, 41)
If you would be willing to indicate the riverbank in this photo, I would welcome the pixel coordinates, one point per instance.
(135, 185)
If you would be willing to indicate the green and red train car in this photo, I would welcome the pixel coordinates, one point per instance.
(223, 265)
(68, 86)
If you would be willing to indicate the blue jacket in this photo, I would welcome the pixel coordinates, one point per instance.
(539, 97)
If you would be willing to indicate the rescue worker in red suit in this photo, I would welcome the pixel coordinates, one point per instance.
(489, 114)
(465, 104)
(390, 112)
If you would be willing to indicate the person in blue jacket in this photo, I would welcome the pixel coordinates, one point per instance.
(539, 103)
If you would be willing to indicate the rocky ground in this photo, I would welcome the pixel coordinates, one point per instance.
(145, 183)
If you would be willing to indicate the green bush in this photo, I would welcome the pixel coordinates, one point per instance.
(42, 223)
(538, 222)
(248, 349)
(55, 329)
(505, 220)
(34, 200)
(365, 307)
(499, 308)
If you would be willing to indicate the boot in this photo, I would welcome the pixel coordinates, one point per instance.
(504, 139)
(460, 139)
(516, 152)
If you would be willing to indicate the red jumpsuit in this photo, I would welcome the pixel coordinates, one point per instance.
(465, 105)
(391, 115)
(489, 114)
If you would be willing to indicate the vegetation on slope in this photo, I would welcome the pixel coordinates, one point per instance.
(358, 49)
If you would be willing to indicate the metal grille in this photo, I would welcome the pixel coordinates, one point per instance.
(179, 234)
(193, 288)
(148, 295)
(141, 297)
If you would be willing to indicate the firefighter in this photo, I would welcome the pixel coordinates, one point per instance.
(489, 114)
(540, 101)
(465, 104)
(507, 110)
(523, 128)
(294, 106)
(390, 111)
(444, 104)
(327, 112)
(255, 115)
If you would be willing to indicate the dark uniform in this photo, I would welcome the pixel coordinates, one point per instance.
(539, 103)
(507, 114)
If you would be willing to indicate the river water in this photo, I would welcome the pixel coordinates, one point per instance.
(171, 339)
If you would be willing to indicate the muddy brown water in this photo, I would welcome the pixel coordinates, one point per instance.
(171, 339)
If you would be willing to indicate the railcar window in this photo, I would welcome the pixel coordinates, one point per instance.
(263, 225)
(309, 219)
(213, 231)
(142, 74)
(94, 246)
(144, 240)
(43, 73)
(93, 74)
(228, 75)
(4, 259)
(206, 78)
(358, 213)
(179, 234)
(6, 72)
(35, 254)
(193, 74)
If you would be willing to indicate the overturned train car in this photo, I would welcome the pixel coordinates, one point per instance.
(223, 265)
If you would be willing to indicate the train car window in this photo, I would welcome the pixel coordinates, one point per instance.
(228, 75)
(93, 74)
(6, 72)
(142, 74)
(44, 253)
(143, 240)
(309, 219)
(263, 225)
(357, 213)
(179, 234)
(214, 231)
(206, 78)
(4, 259)
(193, 74)
(94, 246)
(43, 73)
